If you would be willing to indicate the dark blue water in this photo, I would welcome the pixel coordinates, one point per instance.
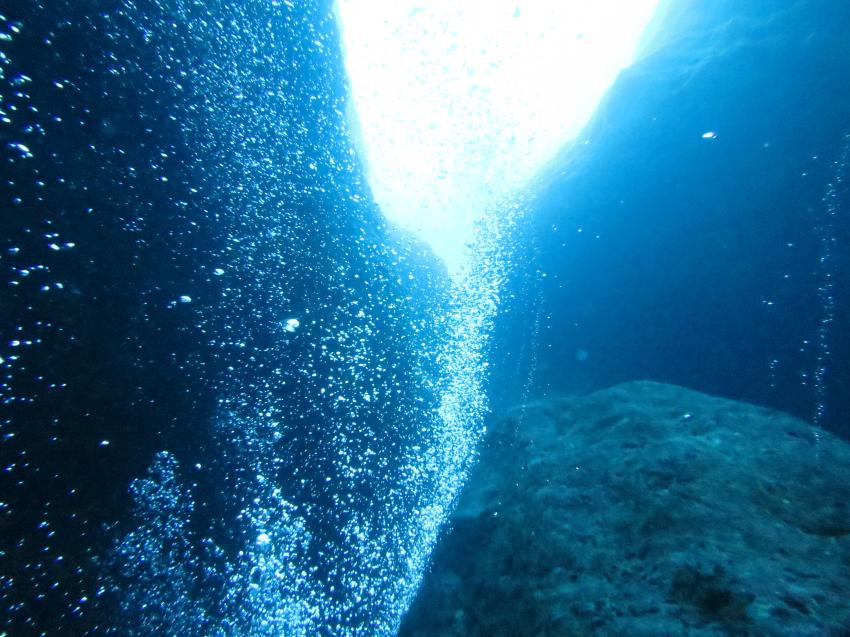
(222, 370)
(720, 263)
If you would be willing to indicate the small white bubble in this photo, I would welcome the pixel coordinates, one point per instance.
(24, 150)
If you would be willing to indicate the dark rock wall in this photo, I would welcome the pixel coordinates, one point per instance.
(702, 262)
(177, 181)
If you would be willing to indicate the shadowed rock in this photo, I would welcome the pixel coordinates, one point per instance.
(646, 509)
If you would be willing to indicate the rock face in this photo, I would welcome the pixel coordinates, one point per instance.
(646, 510)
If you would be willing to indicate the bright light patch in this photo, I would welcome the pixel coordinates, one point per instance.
(460, 103)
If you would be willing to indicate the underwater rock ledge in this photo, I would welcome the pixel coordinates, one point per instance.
(646, 510)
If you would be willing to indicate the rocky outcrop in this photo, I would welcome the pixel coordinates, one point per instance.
(646, 510)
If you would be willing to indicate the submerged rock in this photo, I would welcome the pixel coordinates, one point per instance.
(646, 510)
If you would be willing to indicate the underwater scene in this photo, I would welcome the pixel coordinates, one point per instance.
(461, 318)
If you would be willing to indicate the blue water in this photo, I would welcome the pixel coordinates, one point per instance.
(717, 262)
(237, 401)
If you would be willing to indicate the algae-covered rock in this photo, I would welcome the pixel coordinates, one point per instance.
(646, 510)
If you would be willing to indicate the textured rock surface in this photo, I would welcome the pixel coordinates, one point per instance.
(646, 510)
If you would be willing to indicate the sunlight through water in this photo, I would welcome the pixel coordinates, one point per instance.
(341, 374)
(460, 104)
(292, 286)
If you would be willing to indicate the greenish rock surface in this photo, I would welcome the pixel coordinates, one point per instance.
(646, 510)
